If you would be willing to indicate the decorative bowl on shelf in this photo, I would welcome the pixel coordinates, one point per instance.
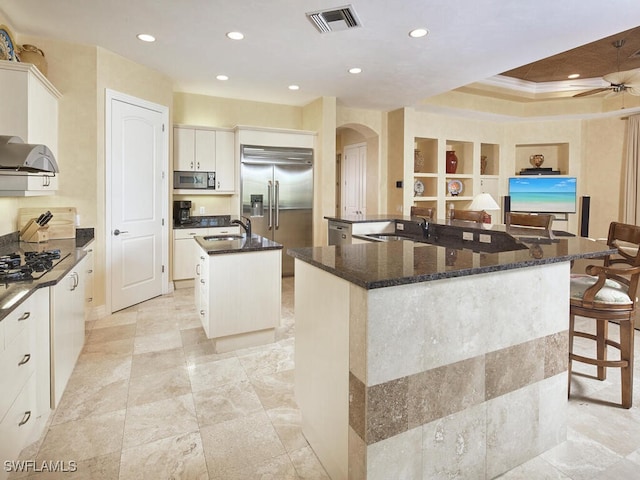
(454, 187)
(536, 160)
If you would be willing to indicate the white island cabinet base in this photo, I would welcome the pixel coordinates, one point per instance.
(238, 296)
(427, 379)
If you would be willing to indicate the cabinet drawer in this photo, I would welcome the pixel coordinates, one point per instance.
(18, 424)
(16, 322)
(185, 233)
(17, 364)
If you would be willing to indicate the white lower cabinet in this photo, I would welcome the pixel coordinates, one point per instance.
(184, 248)
(24, 383)
(67, 327)
(238, 297)
(88, 283)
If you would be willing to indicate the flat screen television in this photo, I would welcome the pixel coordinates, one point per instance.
(543, 194)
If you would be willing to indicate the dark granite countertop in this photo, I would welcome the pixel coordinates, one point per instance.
(71, 252)
(385, 264)
(224, 244)
(206, 221)
(365, 218)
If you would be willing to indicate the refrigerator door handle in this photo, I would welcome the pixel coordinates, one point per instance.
(269, 204)
(277, 204)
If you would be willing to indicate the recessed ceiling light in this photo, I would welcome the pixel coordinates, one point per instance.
(235, 35)
(418, 33)
(355, 70)
(574, 75)
(294, 87)
(222, 77)
(145, 37)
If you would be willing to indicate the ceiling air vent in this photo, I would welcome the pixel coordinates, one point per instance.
(334, 20)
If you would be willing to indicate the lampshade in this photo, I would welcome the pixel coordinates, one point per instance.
(484, 201)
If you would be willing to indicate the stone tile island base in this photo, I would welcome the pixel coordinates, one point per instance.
(461, 377)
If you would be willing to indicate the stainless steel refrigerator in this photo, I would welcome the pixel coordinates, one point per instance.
(277, 195)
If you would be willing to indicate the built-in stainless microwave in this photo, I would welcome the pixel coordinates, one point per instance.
(194, 180)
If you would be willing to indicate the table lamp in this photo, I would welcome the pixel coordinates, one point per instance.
(485, 202)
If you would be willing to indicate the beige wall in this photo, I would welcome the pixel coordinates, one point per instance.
(602, 176)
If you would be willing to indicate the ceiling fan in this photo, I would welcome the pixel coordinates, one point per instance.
(620, 82)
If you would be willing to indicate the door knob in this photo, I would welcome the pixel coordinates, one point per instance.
(117, 232)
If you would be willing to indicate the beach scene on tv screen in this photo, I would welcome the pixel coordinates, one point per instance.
(543, 194)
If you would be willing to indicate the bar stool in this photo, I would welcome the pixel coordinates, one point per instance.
(606, 294)
(476, 216)
(529, 224)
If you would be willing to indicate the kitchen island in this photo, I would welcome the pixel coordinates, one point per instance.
(238, 289)
(417, 360)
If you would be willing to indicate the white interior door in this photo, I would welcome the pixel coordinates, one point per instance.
(354, 179)
(136, 162)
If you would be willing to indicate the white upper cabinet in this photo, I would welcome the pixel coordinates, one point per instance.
(29, 105)
(29, 111)
(204, 149)
(225, 161)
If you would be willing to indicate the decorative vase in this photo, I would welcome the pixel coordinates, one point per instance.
(32, 54)
(418, 161)
(536, 160)
(483, 164)
(451, 161)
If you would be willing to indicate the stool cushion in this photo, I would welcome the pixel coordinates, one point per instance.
(612, 291)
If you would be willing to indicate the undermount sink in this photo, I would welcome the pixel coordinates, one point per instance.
(221, 238)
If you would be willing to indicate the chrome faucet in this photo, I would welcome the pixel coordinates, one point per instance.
(424, 225)
(245, 226)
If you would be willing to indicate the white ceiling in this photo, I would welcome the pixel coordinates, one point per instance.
(469, 40)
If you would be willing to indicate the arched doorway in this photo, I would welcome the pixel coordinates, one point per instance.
(357, 171)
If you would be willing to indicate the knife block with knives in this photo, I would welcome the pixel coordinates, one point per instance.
(36, 229)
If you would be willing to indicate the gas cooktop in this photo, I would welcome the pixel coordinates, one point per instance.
(15, 267)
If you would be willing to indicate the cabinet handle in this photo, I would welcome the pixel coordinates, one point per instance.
(218, 184)
(25, 359)
(202, 281)
(90, 299)
(24, 316)
(89, 250)
(202, 312)
(198, 269)
(89, 271)
(25, 418)
(76, 281)
(198, 166)
(202, 258)
(191, 165)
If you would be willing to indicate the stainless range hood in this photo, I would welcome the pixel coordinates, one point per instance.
(15, 155)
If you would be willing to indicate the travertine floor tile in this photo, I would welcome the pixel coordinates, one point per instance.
(211, 374)
(307, 464)
(165, 384)
(239, 444)
(581, 458)
(89, 437)
(178, 457)
(83, 399)
(287, 422)
(154, 362)
(109, 334)
(277, 468)
(164, 418)
(275, 390)
(226, 402)
(157, 341)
